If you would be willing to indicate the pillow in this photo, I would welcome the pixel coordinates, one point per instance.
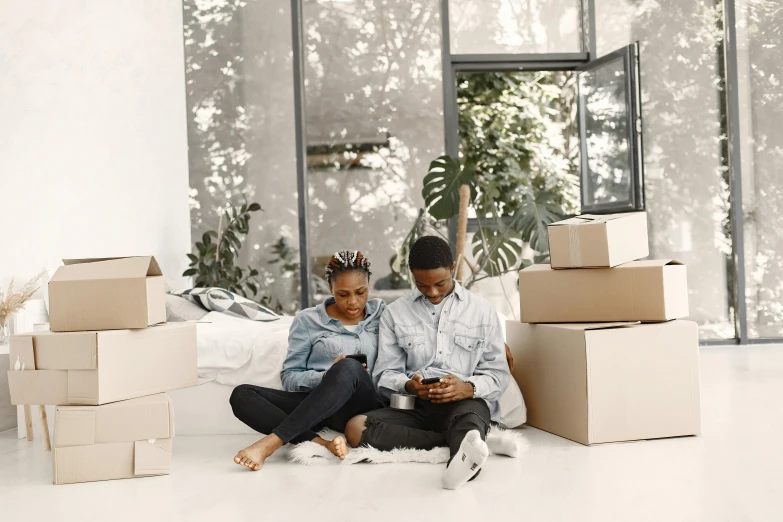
(220, 300)
(179, 310)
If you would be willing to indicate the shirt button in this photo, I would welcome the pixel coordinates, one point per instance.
(357, 336)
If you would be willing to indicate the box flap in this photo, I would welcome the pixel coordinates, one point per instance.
(106, 268)
(93, 462)
(587, 219)
(651, 262)
(38, 387)
(593, 326)
(74, 426)
(152, 457)
(66, 350)
(21, 348)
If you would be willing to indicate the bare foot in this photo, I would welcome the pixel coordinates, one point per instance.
(253, 456)
(338, 446)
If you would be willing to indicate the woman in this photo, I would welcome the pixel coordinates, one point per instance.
(323, 387)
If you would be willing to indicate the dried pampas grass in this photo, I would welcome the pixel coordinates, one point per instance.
(11, 302)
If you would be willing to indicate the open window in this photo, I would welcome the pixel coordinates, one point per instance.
(610, 133)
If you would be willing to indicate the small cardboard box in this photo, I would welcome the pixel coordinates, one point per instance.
(650, 290)
(120, 440)
(595, 383)
(598, 241)
(106, 294)
(101, 367)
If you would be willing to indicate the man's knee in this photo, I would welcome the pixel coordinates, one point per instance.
(354, 430)
(475, 414)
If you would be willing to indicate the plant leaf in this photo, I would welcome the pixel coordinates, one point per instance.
(497, 251)
(189, 272)
(253, 207)
(535, 213)
(441, 186)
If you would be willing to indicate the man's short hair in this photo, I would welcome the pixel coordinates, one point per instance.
(429, 253)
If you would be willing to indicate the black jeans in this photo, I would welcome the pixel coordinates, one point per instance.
(346, 390)
(426, 426)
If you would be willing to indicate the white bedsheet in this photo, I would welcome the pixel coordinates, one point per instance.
(237, 351)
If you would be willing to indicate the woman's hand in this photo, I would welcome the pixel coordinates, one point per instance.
(452, 389)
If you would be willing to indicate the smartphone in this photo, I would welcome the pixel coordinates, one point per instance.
(362, 358)
(431, 380)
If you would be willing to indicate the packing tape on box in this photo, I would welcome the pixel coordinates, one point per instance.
(574, 250)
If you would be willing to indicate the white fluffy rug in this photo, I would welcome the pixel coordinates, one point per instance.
(311, 454)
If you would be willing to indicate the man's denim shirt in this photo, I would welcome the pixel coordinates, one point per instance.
(315, 340)
(467, 342)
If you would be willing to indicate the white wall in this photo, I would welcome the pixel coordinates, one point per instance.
(93, 142)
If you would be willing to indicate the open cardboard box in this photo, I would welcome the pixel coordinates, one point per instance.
(106, 294)
(596, 383)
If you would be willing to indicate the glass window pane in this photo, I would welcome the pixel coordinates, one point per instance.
(374, 102)
(760, 51)
(686, 185)
(518, 132)
(241, 133)
(510, 26)
(609, 169)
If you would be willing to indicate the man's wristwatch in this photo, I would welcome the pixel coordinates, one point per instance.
(472, 386)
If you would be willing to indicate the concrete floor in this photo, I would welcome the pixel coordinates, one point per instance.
(734, 472)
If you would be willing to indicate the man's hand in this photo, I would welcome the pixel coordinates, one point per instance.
(452, 389)
(510, 359)
(415, 387)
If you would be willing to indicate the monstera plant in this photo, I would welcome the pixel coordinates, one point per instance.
(450, 188)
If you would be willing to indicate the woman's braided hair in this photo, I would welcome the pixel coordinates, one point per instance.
(346, 261)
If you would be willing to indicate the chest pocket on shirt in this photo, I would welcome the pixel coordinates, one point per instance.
(330, 344)
(412, 342)
(466, 353)
(373, 334)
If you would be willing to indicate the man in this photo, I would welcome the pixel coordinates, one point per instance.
(440, 330)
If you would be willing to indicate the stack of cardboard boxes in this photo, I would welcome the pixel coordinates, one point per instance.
(601, 353)
(106, 363)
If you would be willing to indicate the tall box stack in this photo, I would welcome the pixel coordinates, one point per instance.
(105, 364)
(601, 351)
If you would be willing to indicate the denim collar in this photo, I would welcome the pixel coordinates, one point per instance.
(370, 310)
(458, 291)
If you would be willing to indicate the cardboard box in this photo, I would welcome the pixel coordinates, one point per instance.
(595, 383)
(106, 294)
(120, 440)
(100, 367)
(598, 241)
(651, 290)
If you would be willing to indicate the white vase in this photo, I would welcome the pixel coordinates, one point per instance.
(5, 332)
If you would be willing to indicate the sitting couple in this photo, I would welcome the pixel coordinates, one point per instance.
(440, 330)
